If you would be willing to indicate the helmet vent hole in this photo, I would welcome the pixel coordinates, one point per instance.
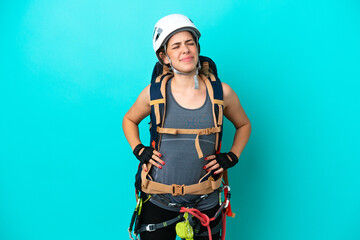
(159, 31)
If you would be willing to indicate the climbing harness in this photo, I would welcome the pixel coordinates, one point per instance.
(189, 221)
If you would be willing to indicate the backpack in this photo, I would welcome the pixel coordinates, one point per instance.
(160, 76)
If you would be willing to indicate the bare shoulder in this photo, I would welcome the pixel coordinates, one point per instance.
(141, 108)
(232, 107)
(229, 94)
(144, 96)
(226, 89)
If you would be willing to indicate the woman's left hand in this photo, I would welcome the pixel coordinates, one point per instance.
(220, 162)
(213, 164)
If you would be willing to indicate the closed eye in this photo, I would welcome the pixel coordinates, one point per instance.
(187, 42)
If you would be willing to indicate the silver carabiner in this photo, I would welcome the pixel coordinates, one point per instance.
(228, 199)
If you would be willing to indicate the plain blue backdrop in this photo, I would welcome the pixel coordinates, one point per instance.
(69, 71)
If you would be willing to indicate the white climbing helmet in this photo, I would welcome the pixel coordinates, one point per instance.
(168, 26)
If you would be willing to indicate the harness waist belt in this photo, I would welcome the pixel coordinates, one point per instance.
(206, 187)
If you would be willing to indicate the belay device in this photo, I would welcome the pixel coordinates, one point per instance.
(187, 225)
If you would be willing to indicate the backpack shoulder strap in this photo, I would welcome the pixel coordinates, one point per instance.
(160, 76)
(213, 83)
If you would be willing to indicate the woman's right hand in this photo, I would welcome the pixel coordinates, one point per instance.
(148, 155)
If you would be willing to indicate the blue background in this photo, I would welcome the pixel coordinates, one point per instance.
(69, 71)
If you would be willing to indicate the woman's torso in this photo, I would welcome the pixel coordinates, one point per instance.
(182, 164)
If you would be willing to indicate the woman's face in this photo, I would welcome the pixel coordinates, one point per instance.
(183, 52)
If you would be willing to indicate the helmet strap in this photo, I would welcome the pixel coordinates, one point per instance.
(196, 80)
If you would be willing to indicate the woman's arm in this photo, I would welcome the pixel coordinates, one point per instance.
(138, 111)
(236, 114)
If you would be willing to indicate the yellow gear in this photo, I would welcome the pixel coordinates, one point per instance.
(184, 230)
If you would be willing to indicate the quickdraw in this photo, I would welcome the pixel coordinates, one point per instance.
(135, 217)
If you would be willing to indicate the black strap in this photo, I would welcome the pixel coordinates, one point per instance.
(214, 230)
(132, 221)
(165, 202)
(154, 227)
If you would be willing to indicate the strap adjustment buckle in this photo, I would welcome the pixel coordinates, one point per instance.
(178, 189)
(150, 227)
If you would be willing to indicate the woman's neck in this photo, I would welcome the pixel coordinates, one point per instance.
(186, 84)
(183, 81)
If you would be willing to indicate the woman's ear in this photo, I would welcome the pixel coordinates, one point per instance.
(164, 57)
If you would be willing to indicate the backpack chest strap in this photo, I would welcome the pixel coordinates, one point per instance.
(198, 132)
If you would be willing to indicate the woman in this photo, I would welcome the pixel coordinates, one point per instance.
(176, 45)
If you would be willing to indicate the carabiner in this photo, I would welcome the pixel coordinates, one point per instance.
(227, 196)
